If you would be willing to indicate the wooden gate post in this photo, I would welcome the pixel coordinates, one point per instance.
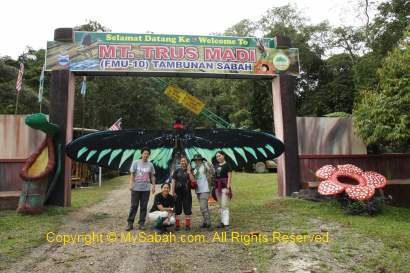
(284, 113)
(61, 113)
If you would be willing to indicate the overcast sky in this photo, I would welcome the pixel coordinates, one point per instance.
(31, 23)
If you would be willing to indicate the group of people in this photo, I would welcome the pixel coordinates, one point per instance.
(175, 197)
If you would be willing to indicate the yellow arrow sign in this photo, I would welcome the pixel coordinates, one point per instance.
(175, 93)
(182, 97)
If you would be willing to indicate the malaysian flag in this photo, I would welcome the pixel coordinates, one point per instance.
(19, 81)
(116, 126)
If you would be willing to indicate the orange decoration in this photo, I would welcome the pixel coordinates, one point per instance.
(264, 67)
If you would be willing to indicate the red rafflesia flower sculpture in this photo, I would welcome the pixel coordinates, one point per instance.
(366, 182)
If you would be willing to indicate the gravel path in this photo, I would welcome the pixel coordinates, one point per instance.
(116, 254)
(121, 256)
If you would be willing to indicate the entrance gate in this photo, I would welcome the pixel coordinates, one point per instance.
(74, 54)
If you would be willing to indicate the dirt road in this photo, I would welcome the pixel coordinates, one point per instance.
(115, 252)
(109, 219)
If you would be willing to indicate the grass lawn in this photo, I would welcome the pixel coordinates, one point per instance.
(360, 243)
(254, 207)
(19, 233)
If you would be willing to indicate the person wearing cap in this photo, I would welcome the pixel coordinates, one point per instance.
(201, 170)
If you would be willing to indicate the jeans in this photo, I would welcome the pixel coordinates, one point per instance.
(203, 205)
(138, 198)
(223, 200)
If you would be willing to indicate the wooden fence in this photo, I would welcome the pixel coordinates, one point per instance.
(9, 174)
(395, 167)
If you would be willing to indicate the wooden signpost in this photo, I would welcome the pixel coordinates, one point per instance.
(80, 54)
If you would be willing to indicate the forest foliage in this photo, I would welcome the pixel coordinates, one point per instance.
(362, 71)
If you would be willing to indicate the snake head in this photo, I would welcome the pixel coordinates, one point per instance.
(39, 121)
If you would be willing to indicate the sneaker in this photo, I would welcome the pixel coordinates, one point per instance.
(227, 228)
(204, 225)
(220, 225)
(142, 226)
(129, 227)
(177, 228)
(187, 228)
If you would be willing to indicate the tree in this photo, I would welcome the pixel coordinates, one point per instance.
(33, 61)
(335, 91)
(389, 24)
(382, 35)
(329, 80)
(244, 28)
(365, 70)
(350, 39)
(382, 115)
(309, 39)
(92, 26)
(250, 100)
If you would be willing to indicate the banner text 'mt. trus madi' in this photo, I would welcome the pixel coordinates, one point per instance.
(119, 52)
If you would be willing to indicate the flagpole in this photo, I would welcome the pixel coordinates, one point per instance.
(99, 176)
(19, 83)
(82, 114)
(17, 102)
(83, 91)
(41, 86)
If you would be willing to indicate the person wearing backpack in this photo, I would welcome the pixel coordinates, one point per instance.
(201, 171)
(181, 184)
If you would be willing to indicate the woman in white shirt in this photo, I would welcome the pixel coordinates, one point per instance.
(201, 170)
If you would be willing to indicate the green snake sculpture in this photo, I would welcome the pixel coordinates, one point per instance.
(37, 169)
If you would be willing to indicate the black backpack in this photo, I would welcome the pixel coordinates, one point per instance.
(181, 184)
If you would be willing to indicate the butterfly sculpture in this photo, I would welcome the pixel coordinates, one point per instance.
(118, 149)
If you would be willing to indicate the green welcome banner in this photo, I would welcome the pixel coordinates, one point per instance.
(119, 52)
